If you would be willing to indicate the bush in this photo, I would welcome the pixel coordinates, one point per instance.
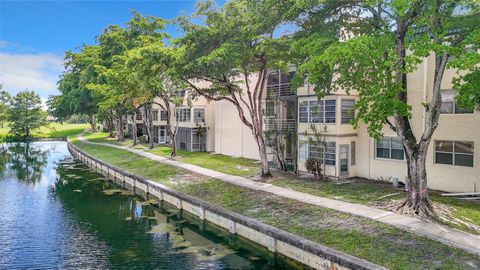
(314, 166)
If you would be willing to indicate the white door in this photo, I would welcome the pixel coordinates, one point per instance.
(162, 134)
(344, 160)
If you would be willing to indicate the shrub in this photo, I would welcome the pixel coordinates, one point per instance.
(314, 166)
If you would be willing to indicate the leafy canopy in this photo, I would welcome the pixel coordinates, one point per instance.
(26, 114)
(354, 47)
(235, 40)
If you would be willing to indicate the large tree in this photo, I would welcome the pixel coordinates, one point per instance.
(380, 43)
(75, 98)
(150, 68)
(232, 50)
(115, 43)
(26, 114)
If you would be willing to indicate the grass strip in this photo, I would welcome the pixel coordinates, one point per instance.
(363, 192)
(221, 163)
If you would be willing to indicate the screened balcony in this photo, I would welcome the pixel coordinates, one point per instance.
(278, 84)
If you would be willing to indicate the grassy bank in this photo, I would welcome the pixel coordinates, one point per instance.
(361, 237)
(221, 163)
(360, 191)
(53, 130)
(373, 193)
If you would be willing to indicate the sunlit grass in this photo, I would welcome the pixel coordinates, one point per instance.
(221, 163)
(52, 130)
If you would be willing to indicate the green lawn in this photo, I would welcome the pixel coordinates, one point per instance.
(359, 191)
(361, 237)
(226, 164)
(369, 192)
(53, 130)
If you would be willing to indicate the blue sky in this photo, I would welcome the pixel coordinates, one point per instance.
(34, 35)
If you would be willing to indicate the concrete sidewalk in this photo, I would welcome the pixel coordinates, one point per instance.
(437, 232)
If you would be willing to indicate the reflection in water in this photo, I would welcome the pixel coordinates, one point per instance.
(67, 221)
(25, 160)
(4, 157)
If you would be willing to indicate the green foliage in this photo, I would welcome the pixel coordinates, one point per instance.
(77, 119)
(149, 68)
(26, 114)
(467, 84)
(360, 47)
(235, 41)
(75, 98)
(117, 45)
(5, 99)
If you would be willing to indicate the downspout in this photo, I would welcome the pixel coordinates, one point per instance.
(241, 149)
(369, 155)
(424, 91)
(220, 130)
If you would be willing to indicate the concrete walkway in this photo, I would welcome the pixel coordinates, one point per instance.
(437, 232)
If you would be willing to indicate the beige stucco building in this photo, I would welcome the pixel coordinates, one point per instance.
(452, 163)
(194, 119)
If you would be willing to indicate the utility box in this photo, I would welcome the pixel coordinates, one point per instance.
(395, 182)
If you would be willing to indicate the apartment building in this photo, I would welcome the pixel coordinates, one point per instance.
(453, 162)
(195, 122)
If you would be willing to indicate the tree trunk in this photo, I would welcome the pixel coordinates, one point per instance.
(417, 192)
(294, 138)
(93, 123)
(174, 146)
(172, 134)
(134, 129)
(262, 150)
(120, 128)
(149, 123)
(109, 125)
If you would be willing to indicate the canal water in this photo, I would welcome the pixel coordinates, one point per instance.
(57, 214)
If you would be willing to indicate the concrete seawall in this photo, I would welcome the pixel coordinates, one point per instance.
(278, 241)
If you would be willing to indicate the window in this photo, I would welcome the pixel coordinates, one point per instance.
(139, 116)
(390, 148)
(303, 112)
(181, 93)
(330, 111)
(352, 153)
(302, 151)
(273, 78)
(155, 115)
(276, 77)
(183, 115)
(317, 111)
(198, 115)
(316, 151)
(348, 113)
(448, 104)
(163, 115)
(454, 153)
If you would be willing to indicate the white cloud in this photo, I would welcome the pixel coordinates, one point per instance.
(33, 71)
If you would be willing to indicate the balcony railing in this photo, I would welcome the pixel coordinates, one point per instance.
(279, 90)
(282, 125)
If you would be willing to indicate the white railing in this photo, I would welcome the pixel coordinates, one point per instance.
(279, 90)
(280, 124)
